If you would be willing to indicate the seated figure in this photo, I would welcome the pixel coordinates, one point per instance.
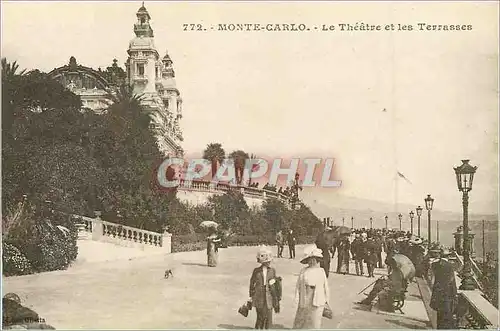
(388, 289)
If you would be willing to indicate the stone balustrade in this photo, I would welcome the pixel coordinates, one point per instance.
(475, 312)
(207, 186)
(124, 235)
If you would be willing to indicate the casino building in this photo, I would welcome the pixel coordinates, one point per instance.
(146, 72)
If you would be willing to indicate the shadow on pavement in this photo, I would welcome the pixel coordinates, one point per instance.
(405, 325)
(196, 264)
(361, 307)
(236, 327)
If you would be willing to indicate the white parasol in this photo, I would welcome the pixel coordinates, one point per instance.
(209, 224)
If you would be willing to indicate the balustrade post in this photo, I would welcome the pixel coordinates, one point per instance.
(97, 227)
(458, 240)
(166, 242)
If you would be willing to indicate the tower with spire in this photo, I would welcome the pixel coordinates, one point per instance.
(154, 78)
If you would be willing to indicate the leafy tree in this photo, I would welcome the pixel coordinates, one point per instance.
(275, 213)
(215, 154)
(42, 125)
(229, 209)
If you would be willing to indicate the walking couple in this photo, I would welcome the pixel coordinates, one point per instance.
(312, 292)
(281, 240)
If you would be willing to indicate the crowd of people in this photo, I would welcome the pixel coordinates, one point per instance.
(362, 246)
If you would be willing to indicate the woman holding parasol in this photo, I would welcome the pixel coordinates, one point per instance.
(213, 242)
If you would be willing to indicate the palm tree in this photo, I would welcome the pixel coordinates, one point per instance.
(9, 70)
(252, 157)
(125, 97)
(239, 157)
(214, 153)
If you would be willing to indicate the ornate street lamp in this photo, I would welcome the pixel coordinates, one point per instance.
(465, 175)
(428, 205)
(412, 214)
(371, 223)
(386, 218)
(400, 218)
(419, 213)
(295, 192)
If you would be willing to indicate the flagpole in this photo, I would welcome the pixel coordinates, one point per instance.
(394, 134)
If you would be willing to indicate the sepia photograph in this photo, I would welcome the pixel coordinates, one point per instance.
(250, 164)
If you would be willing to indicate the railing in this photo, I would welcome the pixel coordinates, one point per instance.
(475, 312)
(207, 186)
(122, 234)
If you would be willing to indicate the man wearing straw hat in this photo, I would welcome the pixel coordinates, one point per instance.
(261, 291)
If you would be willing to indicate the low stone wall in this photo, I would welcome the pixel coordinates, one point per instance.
(122, 235)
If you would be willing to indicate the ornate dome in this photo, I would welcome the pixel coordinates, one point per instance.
(142, 43)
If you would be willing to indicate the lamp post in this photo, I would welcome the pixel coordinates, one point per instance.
(412, 215)
(352, 222)
(419, 213)
(428, 205)
(437, 231)
(295, 192)
(400, 218)
(465, 175)
(371, 223)
(343, 221)
(386, 218)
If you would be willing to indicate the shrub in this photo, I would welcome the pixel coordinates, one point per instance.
(46, 245)
(14, 262)
(196, 242)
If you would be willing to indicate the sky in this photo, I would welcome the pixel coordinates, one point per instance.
(312, 93)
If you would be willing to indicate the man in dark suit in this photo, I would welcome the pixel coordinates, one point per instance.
(280, 241)
(322, 243)
(262, 295)
(291, 243)
(370, 256)
(444, 291)
(357, 254)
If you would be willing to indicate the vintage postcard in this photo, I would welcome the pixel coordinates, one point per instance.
(250, 165)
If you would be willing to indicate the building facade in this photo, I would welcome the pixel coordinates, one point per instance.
(151, 77)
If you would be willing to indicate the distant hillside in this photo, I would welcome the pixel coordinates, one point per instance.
(362, 209)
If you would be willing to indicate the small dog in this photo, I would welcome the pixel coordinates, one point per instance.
(168, 273)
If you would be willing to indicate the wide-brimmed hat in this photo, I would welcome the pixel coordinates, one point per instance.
(311, 251)
(416, 241)
(444, 252)
(264, 254)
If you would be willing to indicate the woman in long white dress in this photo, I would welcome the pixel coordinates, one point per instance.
(312, 291)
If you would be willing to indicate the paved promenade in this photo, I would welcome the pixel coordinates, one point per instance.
(132, 293)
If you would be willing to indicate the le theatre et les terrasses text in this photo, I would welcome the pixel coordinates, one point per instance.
(340, 27)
